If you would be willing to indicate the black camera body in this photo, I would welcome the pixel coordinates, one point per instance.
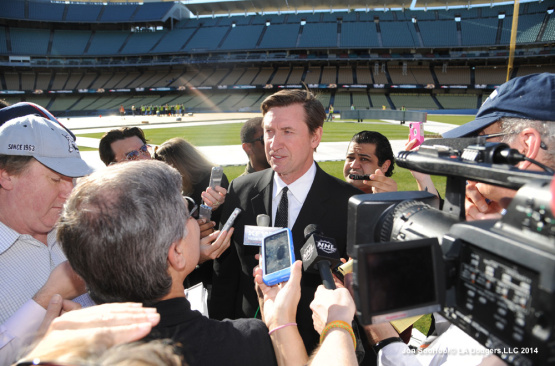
(493, 279)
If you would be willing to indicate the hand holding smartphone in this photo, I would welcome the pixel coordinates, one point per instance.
(216, 177)
(229, 223)
(278, 256)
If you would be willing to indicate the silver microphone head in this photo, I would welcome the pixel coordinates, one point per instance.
(263, 220)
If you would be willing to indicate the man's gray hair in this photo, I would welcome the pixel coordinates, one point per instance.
(513, 126)
(117, 227)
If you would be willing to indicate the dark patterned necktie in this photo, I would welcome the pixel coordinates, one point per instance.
(282, 211)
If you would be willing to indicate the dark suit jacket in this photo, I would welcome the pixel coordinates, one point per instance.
(233, 294)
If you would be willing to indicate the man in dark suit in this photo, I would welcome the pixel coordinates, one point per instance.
(292, 121)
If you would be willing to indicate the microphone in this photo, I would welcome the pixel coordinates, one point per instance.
(319, 254)
(262, 220)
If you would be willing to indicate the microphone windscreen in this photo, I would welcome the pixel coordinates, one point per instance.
(311, 229)
(263, 220)
(456, 144)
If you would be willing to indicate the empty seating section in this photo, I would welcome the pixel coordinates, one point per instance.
(201, 76)
(83, 13)
(216, 77)
(27, 81)
(490, 75)
(248, 77)
(528, 27)
(29, 42)
(324, 98)
(397, 76)
(421, 74)
(345, 75)
(185, 78)
(118, 13)
(313, 75)
(129, 77)
(263, 76)
(280, 77)
(86, 81)
(43, 81)
(232, 102)
(360, 100)
(142, 42)
(60, 79)
(46, 11)
(141, 80)
(12, 9)
(457, 101)
(438, 33)
(329, 75)
(173, 41)
(152, 11)
(453, 75)
(363, 75)
(100, 81)
(168, 79)
(280, 36)
(69, 42)
(319, 35)
(206, 39)
(535, 69)
(398, 34)
(342, 101)
(379, 100)
(63, 103)
(12, 80)
(3, 41)
(296, 75)
(107, 42)
(479, 31)
(295, 18)
(549, 33)
(233, 77)
(73, 80)
(380, 77)
(413, 101)
(359, 35)
(242, 38)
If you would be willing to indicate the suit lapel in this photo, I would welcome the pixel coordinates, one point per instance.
(315, 204)
(261, 201)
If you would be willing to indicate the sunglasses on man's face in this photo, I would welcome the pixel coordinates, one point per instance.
(261, 139)
(135, 154)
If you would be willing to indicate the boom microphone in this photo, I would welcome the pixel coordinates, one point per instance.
(458, 144)
(320, 254)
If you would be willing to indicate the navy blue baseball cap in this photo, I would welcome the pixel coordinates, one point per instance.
(528, 97)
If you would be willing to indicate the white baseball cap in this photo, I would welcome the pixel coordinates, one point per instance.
(46, 141)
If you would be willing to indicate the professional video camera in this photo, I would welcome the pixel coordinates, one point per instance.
(493, 279)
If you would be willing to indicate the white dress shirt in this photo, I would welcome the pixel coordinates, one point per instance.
(298, 190)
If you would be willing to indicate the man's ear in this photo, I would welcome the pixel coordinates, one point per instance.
(6, 180)
(176, 257)
(246, 148)
(528, 143)
(316, 137)
(385, 166)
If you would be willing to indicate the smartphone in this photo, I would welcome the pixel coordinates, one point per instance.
(359, 177)
(229, 223)
(216, 177)
(205, 212)
(278, 256)
(416, 132)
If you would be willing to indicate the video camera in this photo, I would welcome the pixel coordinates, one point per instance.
(493, 279)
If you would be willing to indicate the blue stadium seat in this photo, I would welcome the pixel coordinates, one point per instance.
(152, 11)
(46, 11)
(206, 39)
(398, 34)
(118, 13)
(83, 12)
(319, 35)
(438, 33)
(173, 41)
(242, 37)
(12, 9)
(141, 42)
(359, 35)
(479, 31)
(29, 42)
(69, 42)
(280, 36)
(107, 42)
(3, 44)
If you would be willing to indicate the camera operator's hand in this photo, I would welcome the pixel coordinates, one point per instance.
(424, 181)
(211, 247)
(477, 207)
(206, 228)
(214, 197)
(380, 183)
(331, 305)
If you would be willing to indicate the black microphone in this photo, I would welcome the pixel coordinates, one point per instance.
(320, 254)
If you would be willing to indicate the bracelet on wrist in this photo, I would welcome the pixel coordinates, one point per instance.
(341, 325)
(384, 342)
(281, 326)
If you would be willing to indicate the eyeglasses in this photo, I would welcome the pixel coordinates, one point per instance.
(190, 202)
(261, 139)
(543, 146)
(134, 155)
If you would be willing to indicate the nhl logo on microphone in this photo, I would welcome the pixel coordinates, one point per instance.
(326, 246)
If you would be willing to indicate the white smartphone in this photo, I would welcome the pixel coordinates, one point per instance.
(278, 255)
(229, 223)
(216, 177)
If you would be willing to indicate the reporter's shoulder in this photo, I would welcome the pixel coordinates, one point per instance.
(341, 186)
(249, 179)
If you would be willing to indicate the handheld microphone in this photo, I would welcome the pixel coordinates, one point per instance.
(319, 254)
(262, 220)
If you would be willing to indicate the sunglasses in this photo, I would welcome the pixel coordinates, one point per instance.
(134, 155)
(191, 203)
(261, 139)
